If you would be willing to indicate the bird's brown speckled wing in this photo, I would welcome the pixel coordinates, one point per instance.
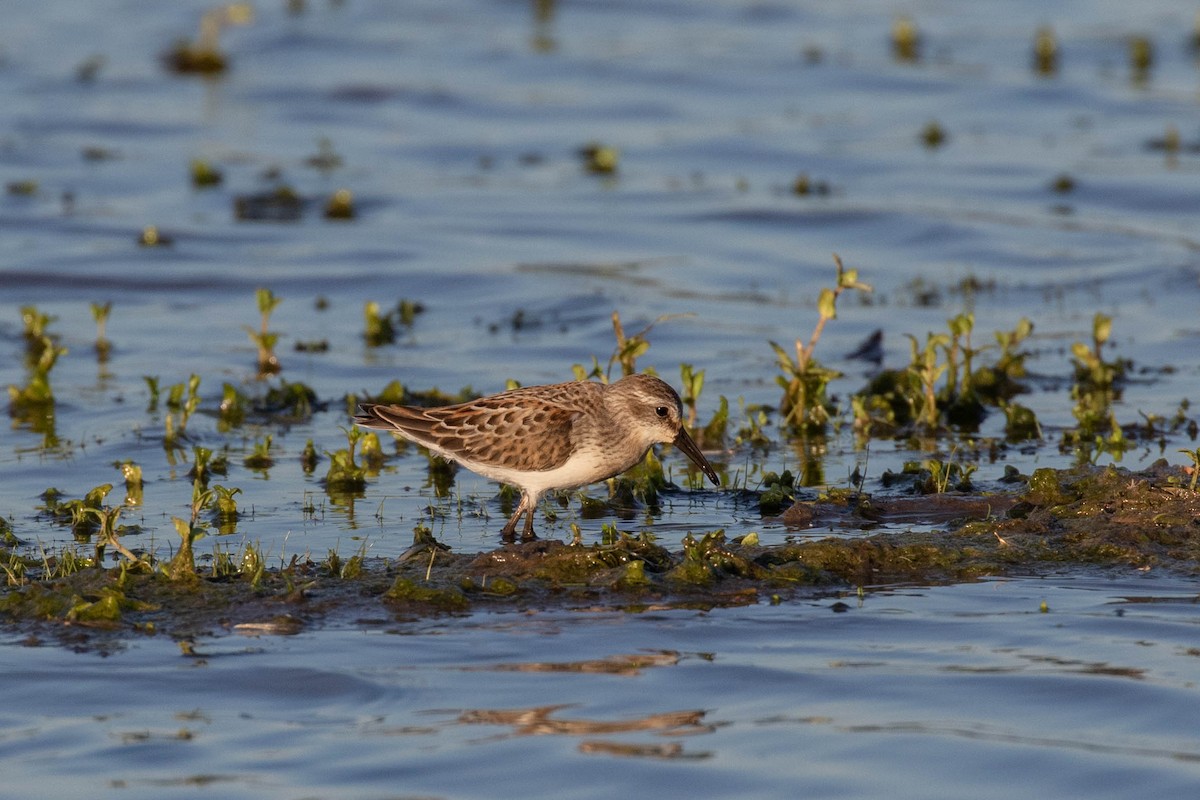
(522, 430)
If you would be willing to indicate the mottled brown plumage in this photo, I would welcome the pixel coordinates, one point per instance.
(539, 438)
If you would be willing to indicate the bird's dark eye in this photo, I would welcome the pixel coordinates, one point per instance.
(661, 411)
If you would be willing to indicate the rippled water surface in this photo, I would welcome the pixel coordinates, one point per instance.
(457, 126)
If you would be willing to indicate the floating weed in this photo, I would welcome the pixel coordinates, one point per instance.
(263, 338)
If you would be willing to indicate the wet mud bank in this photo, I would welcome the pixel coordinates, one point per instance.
(1083, 518)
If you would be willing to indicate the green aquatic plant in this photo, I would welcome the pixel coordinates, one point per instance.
(264, 338)
(693, 382)
(151, 236)
(260, 454)
(1095, 386)
(35, 399)
(289, 401)
(804, 405)
(100, 313)
(629, 348)
(225, 509)
(1194, 455)
(35, 325)
(107, 533)
(340, 205)
(153, 388)
(204, 174)
(962, 406)
(183, 563)
(777, 491)
(1020, 423)
(1001, 381)
(204, 55)
(132, 473)
(942, 473)
(933, 135)
(599, 159)
(200, 471)
(753, 430)
(906, 39)
(924, 371)
(231, 413)
(309, 457)
(326, 158)
(344, 475)
(182, 401)
(372, 452)
(379, 329)
(1045, 51)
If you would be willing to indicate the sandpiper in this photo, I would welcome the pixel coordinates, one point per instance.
(541, 438)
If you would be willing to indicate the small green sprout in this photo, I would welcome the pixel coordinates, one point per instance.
(263, 338)
(260, 455)
(100, 312)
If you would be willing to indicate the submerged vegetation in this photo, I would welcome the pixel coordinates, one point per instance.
(115, 575)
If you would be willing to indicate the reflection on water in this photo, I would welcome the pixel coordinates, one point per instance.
(910, 688)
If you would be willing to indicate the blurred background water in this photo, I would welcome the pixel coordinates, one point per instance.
(457, 125)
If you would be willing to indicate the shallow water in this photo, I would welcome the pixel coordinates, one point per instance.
(911, 692)
(457, 125)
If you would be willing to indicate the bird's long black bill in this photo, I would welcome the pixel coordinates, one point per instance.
(685, 443)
